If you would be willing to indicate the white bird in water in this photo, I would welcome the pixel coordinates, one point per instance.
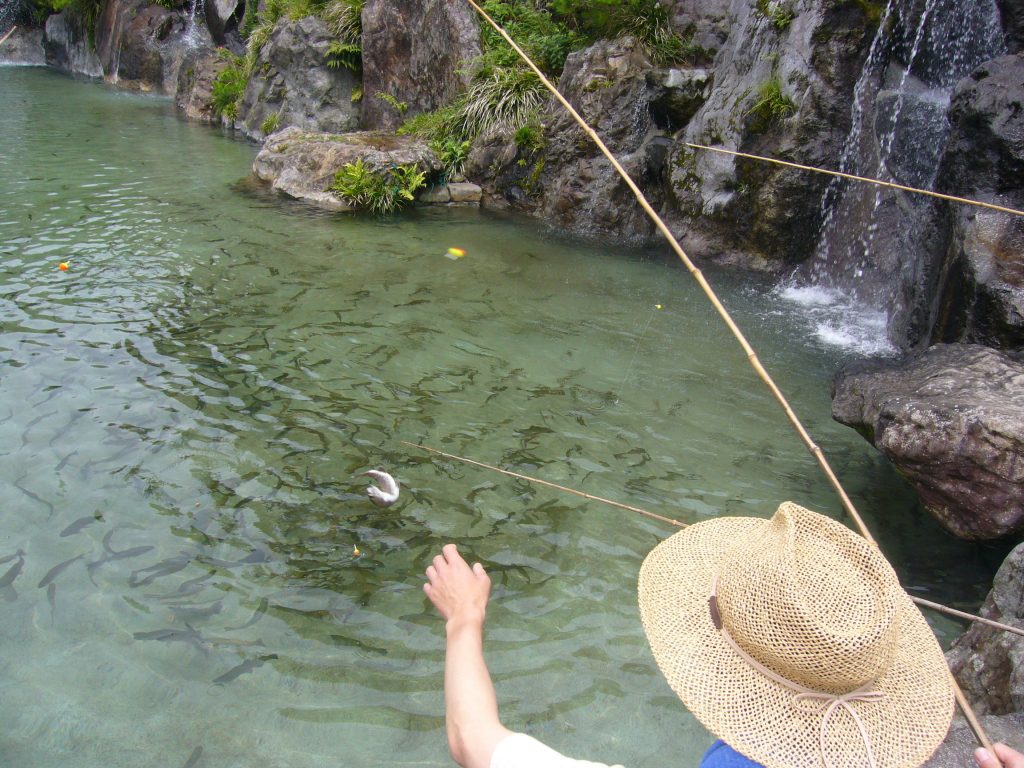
(387, 494)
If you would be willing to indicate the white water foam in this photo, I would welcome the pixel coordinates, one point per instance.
(838, 320)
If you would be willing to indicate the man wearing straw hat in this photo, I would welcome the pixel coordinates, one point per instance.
(790, 639)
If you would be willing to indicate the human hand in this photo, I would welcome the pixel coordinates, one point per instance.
(1010, 758)
(458, 592)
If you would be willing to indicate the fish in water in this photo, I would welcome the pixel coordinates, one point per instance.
(387, 493)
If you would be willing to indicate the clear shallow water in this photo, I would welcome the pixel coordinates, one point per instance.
(185, 410)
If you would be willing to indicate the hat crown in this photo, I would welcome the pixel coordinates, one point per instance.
(811, 602)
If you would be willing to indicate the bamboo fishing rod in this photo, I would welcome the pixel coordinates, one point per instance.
(9, 33)
(798, 426)
(865, 179)
(654, 516)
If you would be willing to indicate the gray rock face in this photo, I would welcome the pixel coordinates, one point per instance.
(706, 22)
(728, 204)
(291, 80)
(415, 52)
(952, 422)
(140, 45)
(218, 14)
(24, 47)
(303, 165)
(1012, 13)
(67, 46)
(987, 662)
(982, 297)
(957, 751)
(194, 95)
(606, 84)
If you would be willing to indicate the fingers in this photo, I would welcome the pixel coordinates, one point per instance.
(1010, 758)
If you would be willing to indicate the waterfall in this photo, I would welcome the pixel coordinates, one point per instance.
(8, 15)
(869, 260)
(196, 9)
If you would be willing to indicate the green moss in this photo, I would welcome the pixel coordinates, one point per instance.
(873, 11)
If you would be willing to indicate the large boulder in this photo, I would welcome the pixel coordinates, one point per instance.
(303, 165)
(416, 54)
(24, 47)
(141, 45)
(988, 662)
(292, 84)
(581, 191)
(220, 15)
(704, 23)
(952, 422)
(982, 298)
(67, 44)
(194, 95)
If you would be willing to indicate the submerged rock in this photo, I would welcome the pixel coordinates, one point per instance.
(292, 84)
(952, 422)
(416, 53)
(988, 662)
(303, 165)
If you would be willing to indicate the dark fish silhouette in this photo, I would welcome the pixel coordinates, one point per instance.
(246, 666)
(163, 568)
(260, 610)
(14, 571)
(54, 572)
(78, 525)
(193, 759)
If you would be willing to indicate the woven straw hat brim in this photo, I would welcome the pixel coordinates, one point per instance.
(759, 717)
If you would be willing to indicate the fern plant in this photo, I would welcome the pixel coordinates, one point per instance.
(229, 86)
(380, 192)
(348, 55)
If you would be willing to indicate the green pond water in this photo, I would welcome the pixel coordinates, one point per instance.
(185, 413)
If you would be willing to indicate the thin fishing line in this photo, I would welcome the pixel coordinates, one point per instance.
(636, 349)
(797, 425)
(646, 513)
(865, 179)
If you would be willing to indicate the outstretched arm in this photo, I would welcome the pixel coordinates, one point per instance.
(460, 595)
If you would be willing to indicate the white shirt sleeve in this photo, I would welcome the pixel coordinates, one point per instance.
(517, 750)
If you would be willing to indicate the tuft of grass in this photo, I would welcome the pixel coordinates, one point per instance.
(271, 123)
(229, 86)
(344, 19)
(507, 99)
(772, 104)
(779, 13)
(378, 191)
(452, 152)
(530, 137)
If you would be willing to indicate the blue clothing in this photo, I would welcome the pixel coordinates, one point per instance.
(721, 755)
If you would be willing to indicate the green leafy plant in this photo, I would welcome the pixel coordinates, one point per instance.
(452, 152)
(530, 137)
(341, 54)
(772, 104)
(229, 86)
(779, 13)
(399, 106)
(381, 192)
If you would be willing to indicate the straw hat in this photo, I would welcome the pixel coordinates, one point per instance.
(792, 640)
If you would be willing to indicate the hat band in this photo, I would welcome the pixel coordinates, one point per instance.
(835, 703)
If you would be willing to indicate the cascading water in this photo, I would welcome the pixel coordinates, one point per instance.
(8, 15)
(196, 11)
(860, 285)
